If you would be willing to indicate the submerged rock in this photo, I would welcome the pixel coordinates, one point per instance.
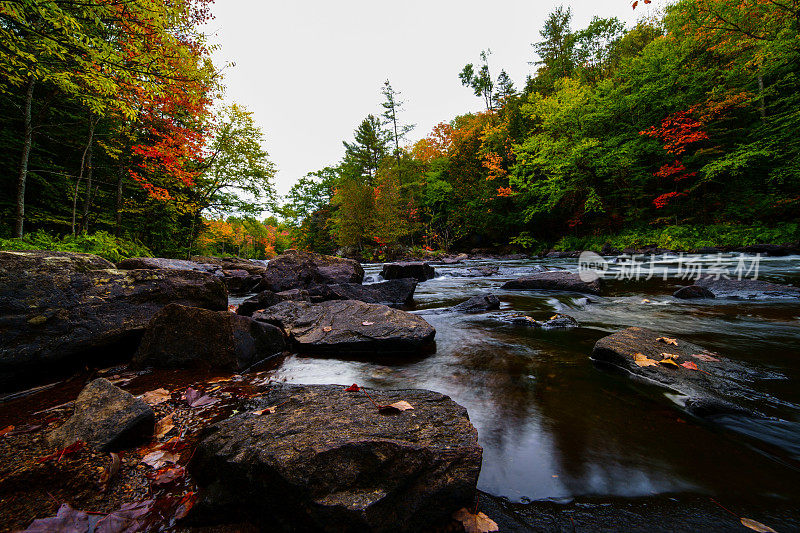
(57, 309)
(475, 272)
(478, 304)
(415, 269)
(711, 384)
(107, 418)
(557, 321)
(300, 270)
(343, 326)
(693, 292)
(556, 280)
(747, 288)
(326, 460)
(189, 337)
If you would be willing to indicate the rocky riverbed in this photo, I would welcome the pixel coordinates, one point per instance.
(573, 404)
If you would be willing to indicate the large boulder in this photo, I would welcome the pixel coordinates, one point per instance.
(414, 269)
(190, 337)
(391, 292)
(751, 289)
(692, 292)
(712, 383)
(478, 304)
(327, 460)
(299, 270)
(231, 263)
(343, 326)
(260, 301)
(57, 309)
(239, 275)
(156, 263)
(106, 417)
(556, 280)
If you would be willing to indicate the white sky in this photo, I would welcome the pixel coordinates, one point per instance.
(312, 70)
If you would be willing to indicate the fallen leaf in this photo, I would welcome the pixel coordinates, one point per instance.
(757, 526)
(690, 365)
(66, 519)
(72, 448)
(670, 356)
(643, 360)
(669, 361)
(111, 471)
(475, 523)
(706, 358)
(553, 317)
(645, 301)
(396, 407)
(353, 388)
(402, 405)
(155, 397)
(163, 426)
(327, 329)
(196, 399)
(667, 340)
(269, 410)
(167, 475)
(7, 429)
(367, 323)
(160, 458)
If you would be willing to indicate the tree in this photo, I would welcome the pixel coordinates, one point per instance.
(557, 49)
(391, 108)
(595, 46)
(363, 156)
(481, 81)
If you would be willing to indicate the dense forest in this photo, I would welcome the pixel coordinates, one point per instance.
(679, 131)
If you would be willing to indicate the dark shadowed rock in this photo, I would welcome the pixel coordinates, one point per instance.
(693, 292)
(299, 270)
(413, 269)
(189, 337)
(557, 321)
(259, 302)
(391, 292)
(770, 250)
(609, 250)
(58, 308)
(475, 272)
(326, 460)
(106, 417)
(241, 284)
(478, 304)
(747, 288)
(342, 326)
(156, 263)
(717, 389)
(231, 263)
(555, 280)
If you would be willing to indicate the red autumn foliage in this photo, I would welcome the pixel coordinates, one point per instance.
(664, 199)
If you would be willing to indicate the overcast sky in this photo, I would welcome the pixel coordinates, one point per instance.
(312, 70)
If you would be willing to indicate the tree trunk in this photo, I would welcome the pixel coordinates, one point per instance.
(118, 205)
(761, 106)
(80, 178)
(27, 138)
(88, 200)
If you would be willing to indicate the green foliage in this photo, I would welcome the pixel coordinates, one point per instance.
(100, 243)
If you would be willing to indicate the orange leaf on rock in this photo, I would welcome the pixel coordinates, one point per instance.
(667, 340)
(475, 523)
(396, 407)
(268, 410)
(668, 361)
(757, 526)
(643, 360)
(326, 329)
(163, 426)
(690, 365)
(7, 429)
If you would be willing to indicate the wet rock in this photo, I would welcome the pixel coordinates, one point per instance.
(300, 270)
(326, 460)
(241, 282)
(747, 288)
(478, 304)
(342, 326)
(714, 388)
(693, 292)
(107, 418)
(231, 263)
(59, 309)
(156, 263)
(475, 272)
(609, 250)
(189, 337)
(557, 321)
(557, 280)
(391, 292)
(416, 269)
(770, 250)
(259, 302)
(707, 250)
(562, 255)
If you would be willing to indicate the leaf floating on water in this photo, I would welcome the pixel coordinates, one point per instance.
(667, 340)
(268, 410)
(160, 458)
(353, 388)
(757, 526)
(367, 323)
(646, 301)
(167, 475)
(163, 426)
(7, 429)
(690, 365)
(706, 358)
(642, 360)
(155, 397)
(475, 523)
(196, 399)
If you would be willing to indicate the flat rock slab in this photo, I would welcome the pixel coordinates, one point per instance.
(189, 337)
(326, 460)
(718, 386)
(748, 288)
(414, 269)
(106, 417)
(155, 263)
(56, 308)
(349, 325)
(556, 280)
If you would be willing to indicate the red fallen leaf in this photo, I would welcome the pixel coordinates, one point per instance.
(159, 458)
(353, 388)
(690, 365)
(66, 519)
(7, 429)
(268, 410)
(197, 399)
(705, 357)
(166, 476)
(72, 448)
(475, 523)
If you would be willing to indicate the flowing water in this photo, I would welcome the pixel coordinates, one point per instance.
(553, 426)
